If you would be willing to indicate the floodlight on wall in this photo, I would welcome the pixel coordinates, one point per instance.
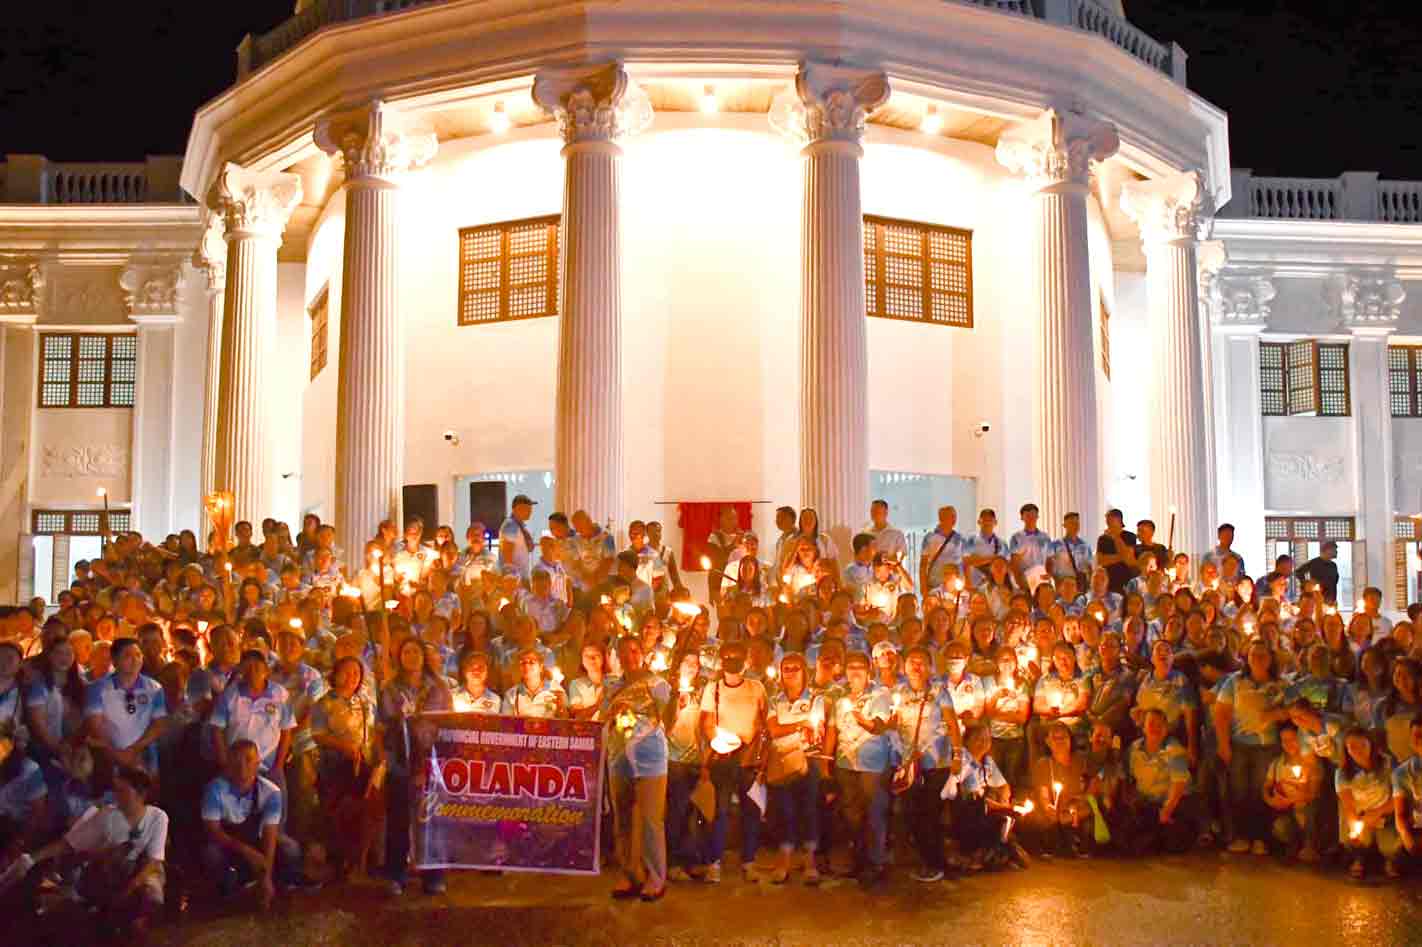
(709, 104)
(499, 121)
(932, 122)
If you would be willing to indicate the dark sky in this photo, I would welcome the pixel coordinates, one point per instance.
(1312, 87)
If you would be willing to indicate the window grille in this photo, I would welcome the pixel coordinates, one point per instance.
(918, 272)
(1404, 380)
(1306, 377)
(87, 371)
(1309, 528)
(320, 331)
(78, 522)
(508, 271)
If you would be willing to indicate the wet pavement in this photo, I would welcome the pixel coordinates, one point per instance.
(1198, 899)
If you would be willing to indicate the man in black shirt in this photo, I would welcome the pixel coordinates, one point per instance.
(1323, 570)
(1115, 551)
(1145, 543)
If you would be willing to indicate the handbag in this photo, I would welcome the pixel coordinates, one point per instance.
(907, 774)
(786, 766)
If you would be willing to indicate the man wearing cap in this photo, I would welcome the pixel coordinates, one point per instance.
(515, 541)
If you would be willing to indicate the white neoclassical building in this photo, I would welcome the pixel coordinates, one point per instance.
(623, 255)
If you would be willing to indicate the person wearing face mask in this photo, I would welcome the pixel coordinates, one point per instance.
(732, 719)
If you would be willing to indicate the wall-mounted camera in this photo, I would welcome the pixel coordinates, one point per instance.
(982, 428)
(451, 437)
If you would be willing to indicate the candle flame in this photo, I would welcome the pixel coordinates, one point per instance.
(1357, 828)
(392, 603)
(1298, 771)
(689, 609)
(350, 591)
(295, 623)
(1026, 808)
(771, 672)
(605, 600)
(557, 675)
(725, 741)
(101, 492)
(202, 626)
(377, 554)
(705, 562)
(659, 662)
(1057, 788)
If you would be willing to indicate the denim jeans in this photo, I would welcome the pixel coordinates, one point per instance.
(797, 804)
(685, 846)
(732, 779)
(864, 800)
(399, 807)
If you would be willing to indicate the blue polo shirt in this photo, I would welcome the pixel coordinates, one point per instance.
(221, 802)
(108, 699)
(260, 718)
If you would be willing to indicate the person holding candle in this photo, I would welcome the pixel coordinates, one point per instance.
(733, 710)
(1393, 714)
(587, 693)
(862, 750)
(343, 729)
(1171, 692)
(795, 723)
(536, 694)
(1061, 819)
(1006, 707)
(980, 800)
(1248, 706)
(1062, 694)
(682, 722)
(1291, 789)
(1161, 809)
(1365, 803)
(928, 729)
(637, 773)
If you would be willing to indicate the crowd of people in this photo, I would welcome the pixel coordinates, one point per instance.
(241, 710)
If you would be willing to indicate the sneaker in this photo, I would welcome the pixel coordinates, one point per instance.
(678, 874)
(436, 886)
(713, 873)
(395, 889)
(1239, 846)
(1259, 848)
(929, 875)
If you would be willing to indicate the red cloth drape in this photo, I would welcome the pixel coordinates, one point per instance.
(697, 520)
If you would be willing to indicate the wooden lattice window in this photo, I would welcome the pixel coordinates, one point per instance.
(918, 272)
(320, 330)
(1405, 529)
(1304, 378)
(1309, 529)
(508, 271)
(87, 371)
(1404, 380)
(78, 522)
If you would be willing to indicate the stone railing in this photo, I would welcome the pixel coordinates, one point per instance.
(1353, 196)
(34, 179)
(257, 51)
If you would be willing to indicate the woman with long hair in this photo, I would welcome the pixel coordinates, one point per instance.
(54, 703)
(1249, 706)
(637, 773)
(587, 693)
(1365, 809)
(343, 726)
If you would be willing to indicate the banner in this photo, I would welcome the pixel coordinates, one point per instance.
(509, 793)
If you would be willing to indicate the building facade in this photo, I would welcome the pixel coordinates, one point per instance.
(622, 255)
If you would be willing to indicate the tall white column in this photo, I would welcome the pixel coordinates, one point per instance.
(1239, 307)
(1369, 306)
(595, 106)
(370, 398)
(1055, 153)
(1168, 211)
(211, 260)
(826, 113)
(255, 207)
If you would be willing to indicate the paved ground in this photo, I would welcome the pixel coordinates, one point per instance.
(1203, 899)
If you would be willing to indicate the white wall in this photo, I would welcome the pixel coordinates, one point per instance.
(289, 369)
(711, 331)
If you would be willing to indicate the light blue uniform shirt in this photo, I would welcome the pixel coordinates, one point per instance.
(639, 751)
(980, 545)
(20, 793)
(1035, 547)
(514, 533)
(519, 701)
(1407, 784)
(107, 699)
(261, 718)
(48, 702)
(1067, 552)
(223, 803)
(1154, 773)
(933, 745)
(304, 687)
(951, 545)
(1250, 701)
(858, 749)
(1173, 696)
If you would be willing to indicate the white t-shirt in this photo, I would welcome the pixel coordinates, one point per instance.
(106, 828)
(740, 706)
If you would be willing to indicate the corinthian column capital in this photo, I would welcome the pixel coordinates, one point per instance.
(211, 254)
(829, 103)
(1168, 209)
(254, 203)
(373, 141)
(1057, 148)
(593, 103)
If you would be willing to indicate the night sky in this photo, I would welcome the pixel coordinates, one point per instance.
(1312, 87)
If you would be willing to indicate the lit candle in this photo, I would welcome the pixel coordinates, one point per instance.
(1026, 808)
(880, 599)
(392, 603)
(557, 675)
(771, 672)
(202, 626)
(685, 685)
(605, 600)
(295, 624)
(1297, 771)
(658, 662)
(350, 591)
(817, 717)
(377, 554)
(1357, 828)
(958, 584)
(706, 562)
(669, 639)
(689, 609)
(724, 741)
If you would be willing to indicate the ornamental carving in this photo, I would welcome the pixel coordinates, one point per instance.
(1240, 300)
(87, 294)
(254, 202)
(1172, 208)
(373, 143)
(21, 288)
(1363, 301)
(829, 103)
(1309, 468)
(151, 289)
(211, 254)
(1057, 148)
(76, 461)
(593, 103)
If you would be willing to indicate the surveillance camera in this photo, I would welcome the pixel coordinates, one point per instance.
(981, 428)
(451, 437)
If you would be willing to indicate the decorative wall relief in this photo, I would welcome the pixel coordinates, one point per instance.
(1288, 465)
(98, 461)
(87, 294)
(1309, 465)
